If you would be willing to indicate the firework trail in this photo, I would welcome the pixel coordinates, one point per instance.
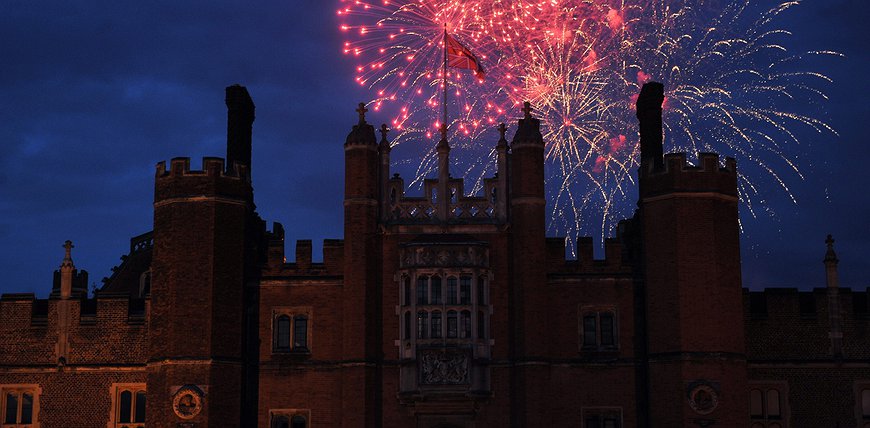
(731, 87)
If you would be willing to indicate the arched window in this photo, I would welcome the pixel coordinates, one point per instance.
(126, 409)
(452, 325)
(465, 290)
(298, 422)
(280, 421)
(436, 325)
(865, 403)
(436, 290)
(773, 411)
(282, 333)
(451, 290)
(300, 332)
(465, 331)
(407, 297)
(423, 290)
(756, 403)
(407, 325)
(422, 324)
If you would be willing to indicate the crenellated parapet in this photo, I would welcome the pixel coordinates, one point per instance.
(614, 261)
(402, 209)
(679, 176)
(179, 181)
(109, 328)
(278, 265)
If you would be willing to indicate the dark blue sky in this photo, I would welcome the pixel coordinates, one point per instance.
(95, 93)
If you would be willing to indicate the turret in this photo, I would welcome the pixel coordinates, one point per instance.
(360, 340)
(501, 150)
(527, 299)
(204, 238)
(691, 273)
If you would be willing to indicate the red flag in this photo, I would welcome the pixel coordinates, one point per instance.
(461, 57)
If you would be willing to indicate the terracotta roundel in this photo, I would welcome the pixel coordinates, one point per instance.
(187, 402)
(703, 399)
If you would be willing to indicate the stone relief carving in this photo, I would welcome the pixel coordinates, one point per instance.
(439, 256)
(443, 368)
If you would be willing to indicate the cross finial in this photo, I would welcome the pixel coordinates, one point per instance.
(362, 113)
(502, 129)
(68, 246)
(384, 131)
(527, 110)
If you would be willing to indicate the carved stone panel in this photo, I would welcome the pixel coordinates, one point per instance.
(444, 256)
(443, 367)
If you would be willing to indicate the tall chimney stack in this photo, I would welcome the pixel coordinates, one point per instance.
(649, 113)
(240, 119)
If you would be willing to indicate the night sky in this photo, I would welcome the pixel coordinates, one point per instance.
(95, 93)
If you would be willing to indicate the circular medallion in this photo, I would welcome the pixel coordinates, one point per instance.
(703, 399)
(187, 402)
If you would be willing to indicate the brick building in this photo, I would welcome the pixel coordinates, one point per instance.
(438, 310)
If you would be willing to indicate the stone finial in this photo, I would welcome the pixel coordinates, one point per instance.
(67, 257)
(361, 109)
(384, 131)
(527, 110)
(443, 130)
(830, 255)
(501, 130)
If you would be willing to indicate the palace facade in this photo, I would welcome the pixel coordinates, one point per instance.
(438, 310)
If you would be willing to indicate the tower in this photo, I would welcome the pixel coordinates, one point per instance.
(361, 301)
(527, 299)
(203, 224)
(691, 256)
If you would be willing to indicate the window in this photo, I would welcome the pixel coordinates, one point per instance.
(282, 334)
(20, 406)
(481, 325)
(422, 324)
(451, 290)
(290, 418)
(128, 405)
(481, 290)
(436, 290)
(766, 406)
(407, 285)
(423, 290)
(436, 325)
(407, 325)
(466, 325)
(598, 329)
(602, 418)
(291, 330)
(465, 290)
(862, 403)
(452, 325)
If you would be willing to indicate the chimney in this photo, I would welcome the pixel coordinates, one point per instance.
(649, 114)
(240, 118)
(835, 317)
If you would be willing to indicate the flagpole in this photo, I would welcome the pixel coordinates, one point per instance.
(444, 117)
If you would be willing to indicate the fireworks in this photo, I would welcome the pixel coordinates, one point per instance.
(731, 87)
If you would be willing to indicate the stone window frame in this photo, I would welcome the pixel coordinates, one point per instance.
(294, 313)
(764, 420)
(409, 303)
(597, 310)
(290, 414)
(586, 412)
(862, 418)
(34, 389)
(115, 391)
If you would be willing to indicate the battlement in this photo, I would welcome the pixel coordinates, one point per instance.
(423, 209)
(614, 261)
(677, 175)
(789, 303)
(212, 180)
(105, 329)
(211, 167)
(277, 265)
